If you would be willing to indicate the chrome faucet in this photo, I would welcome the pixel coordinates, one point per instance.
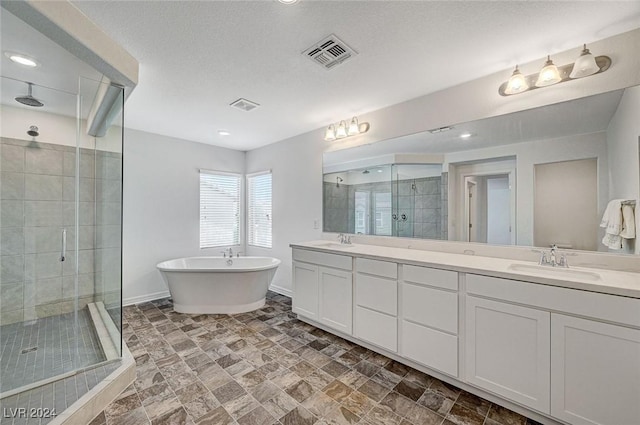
(551, 258)
(227, 251)
(552, 255)
(344, 239)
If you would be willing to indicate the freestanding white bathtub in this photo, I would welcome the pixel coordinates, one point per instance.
(216, 285)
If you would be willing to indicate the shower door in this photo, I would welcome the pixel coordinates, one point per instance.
(40, 326)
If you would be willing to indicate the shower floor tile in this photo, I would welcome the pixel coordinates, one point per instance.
(46, 348)
(266, 367)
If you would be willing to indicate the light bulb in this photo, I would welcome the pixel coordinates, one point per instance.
(330, 133)
(585, 65)
(353, 127)
(517, 83)
(21, 59)
(342, 130)
(549, 74)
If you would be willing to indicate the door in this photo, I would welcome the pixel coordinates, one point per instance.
(305, 290)
(336, 289)
(595, 372)
(507, 351)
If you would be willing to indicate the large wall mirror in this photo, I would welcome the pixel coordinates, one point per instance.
(537, 177)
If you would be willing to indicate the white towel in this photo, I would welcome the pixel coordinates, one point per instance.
(612, 222)
(619, 222)
(628, 222)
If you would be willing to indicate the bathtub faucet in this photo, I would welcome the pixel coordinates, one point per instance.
(227, 251)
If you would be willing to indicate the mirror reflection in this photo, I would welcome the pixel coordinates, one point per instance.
(537, 177)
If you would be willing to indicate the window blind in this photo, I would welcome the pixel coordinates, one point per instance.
(219, 209)
(259, 210)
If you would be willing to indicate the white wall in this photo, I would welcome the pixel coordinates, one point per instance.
(623, 145)
(528, 154)
(161, 205)
(296, 164)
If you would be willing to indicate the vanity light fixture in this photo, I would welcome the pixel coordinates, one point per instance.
(517, 83)
(550, 74)
(21, 59)
(342, 130)
(585, 65)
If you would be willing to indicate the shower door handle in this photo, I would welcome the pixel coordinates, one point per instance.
(63, 253)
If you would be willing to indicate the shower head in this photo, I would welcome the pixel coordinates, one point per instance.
(29, 100)
(33, 131)
(338, 180)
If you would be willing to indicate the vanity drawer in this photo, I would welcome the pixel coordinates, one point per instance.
(378, 268)
(377, 293)
(430, 347)
(444, 279)
(377, 328)
(430, 307)
(613, 308)
(323, 259)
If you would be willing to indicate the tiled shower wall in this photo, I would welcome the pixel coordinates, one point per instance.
(37, 191)
(424, 201)
(336, 207)
(420, 199)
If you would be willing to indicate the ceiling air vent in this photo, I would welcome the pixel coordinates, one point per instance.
(244, 105)
(329, 52)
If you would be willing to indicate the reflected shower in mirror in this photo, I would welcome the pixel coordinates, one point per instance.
(537, 177)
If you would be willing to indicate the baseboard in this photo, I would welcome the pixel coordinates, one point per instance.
(282, 291)
(145, 298)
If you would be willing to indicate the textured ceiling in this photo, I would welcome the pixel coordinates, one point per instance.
(197, 57)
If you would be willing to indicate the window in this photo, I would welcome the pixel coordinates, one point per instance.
(382, 209)
(362, 212)
(219, 209)
(259, 210)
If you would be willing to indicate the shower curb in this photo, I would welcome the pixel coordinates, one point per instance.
(87, 407)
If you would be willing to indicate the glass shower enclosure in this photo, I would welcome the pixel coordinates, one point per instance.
(60, 232)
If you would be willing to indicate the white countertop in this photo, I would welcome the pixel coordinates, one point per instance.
(609, 282)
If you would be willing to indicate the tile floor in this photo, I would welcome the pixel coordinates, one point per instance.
(266, 367)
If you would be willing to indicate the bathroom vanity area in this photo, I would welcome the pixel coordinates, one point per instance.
(559, 345)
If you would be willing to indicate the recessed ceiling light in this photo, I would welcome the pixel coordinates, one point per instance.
(21, 59)
(223, 133)
(465, 135)
(379, 171)
(288, 1)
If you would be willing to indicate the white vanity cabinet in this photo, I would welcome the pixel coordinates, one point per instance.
(524, 342)
(595, 372)
(376, 303)
(323, 288)
(429, 317)
(336, 299)
(305, 290)
(507, 351)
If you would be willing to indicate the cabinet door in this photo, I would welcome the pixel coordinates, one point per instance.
(305, 290)
(336, 299)
(595, 372)
(507, 351)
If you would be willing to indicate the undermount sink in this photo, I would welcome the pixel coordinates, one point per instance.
(556, 272)
(333, 245)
